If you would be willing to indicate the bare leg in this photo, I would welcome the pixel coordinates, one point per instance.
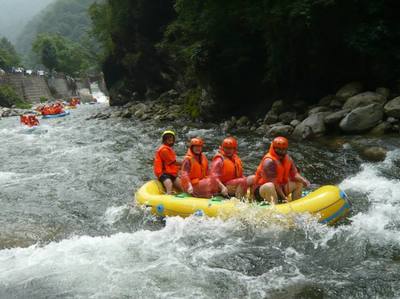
(168, 186)
(296, 188)
(178, 184)
(268, 192)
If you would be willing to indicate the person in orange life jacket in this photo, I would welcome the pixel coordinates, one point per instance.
(227, 168)
(165, 165)
(194, 172)
(277, 176)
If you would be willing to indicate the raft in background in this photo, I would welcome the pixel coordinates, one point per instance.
(56, 115)
(328, 203)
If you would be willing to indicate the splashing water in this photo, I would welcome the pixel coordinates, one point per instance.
(69, 229)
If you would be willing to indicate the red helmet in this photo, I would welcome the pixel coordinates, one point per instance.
(229, 142)
(280, 143)
(196, 141)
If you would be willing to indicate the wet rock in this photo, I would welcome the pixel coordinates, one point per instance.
(278, 107)
(336, 103)
(335, 117)
(318, 109)
(392, 120)
(381, 129)
(325, 101)
(312, 126)
(243, 121)
(168, 95)
(299, 105)
(294, 123)
(280, 130)
(392, 108)
(287, 117)
(271, 117)
(100, 115)
(362, 118)
(126, 114)
(151, 94)
(262, 129)
(383, 91)
(374, 154)
(350, 90)
(364, 99)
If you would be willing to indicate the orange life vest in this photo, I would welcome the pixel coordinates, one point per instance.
(160, 166)
(232, 167)
(198, 170)
(282, 169)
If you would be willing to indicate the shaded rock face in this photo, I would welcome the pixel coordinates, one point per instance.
(350, 90)
(381, 128)
(362, 119)
(364, 99)
(310, 127)
(392, 108)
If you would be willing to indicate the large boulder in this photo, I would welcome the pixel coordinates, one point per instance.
(350, 90)
(392, 108)
(280, 130)
(312, 126)
(318, 109)
(383, 91)
(287, 117)
(381, 129)
(271, 117)
(278, 107)
(362, 118)
(335, 117)
(364, 99)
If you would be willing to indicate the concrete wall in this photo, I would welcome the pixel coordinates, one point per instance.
(29, 88)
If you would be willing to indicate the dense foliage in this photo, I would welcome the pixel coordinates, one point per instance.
(60, 54)
(247, 53)
(8, 55)
(8, 96)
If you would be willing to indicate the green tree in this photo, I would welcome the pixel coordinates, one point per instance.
(8, 55)
(62, 55)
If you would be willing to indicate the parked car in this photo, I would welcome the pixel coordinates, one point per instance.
(40, 73)
(2, 72)
(29, 72)
(19, 70)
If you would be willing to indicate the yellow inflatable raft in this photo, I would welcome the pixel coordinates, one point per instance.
(329, 203)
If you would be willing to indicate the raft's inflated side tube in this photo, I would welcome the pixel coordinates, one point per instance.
(56, 115)
(70, 107)
(328, 202)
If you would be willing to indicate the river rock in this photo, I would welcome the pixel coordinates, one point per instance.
(280, 130)
(350, 90)
(362, 118)
(126, 114)
(364, 99)
(243, 121)
(310, 127)
(278, 106)
(318, 109)
(287, 117)
(168, 95)
(336, 103)
(271, 117)
(299, 105)
(392, 108)
(262, 129)
(392, 120)
(373, 154)
(295, 122)
(325, 101)
(383, 91)
(381, 129)
(335, 117)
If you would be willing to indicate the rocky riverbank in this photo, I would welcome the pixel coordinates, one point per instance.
(352, 110)
(9, 112)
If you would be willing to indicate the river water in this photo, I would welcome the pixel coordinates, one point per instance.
(69, 227)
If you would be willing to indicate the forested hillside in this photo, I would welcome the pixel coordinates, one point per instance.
(68, 18)
(240, 55)
(15, 14)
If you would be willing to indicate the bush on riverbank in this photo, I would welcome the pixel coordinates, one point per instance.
(9, 98)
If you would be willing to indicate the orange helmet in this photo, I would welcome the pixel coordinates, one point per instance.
(196, 141)
(280, 143)
(229, 142)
